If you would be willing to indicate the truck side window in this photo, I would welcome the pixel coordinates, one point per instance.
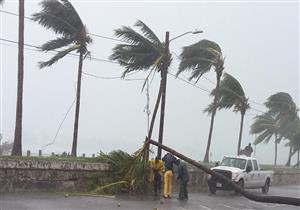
(255, 165)
(249, 163)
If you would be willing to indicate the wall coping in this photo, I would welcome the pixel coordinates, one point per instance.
(53, 165)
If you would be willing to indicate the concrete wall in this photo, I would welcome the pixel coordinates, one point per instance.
(21, 175)
(42, 175)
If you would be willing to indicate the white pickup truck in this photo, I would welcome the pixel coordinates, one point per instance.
(244, 171)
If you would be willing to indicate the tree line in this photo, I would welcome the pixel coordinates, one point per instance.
(143, 51)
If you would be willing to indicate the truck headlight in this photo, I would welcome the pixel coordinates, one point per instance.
(234, 176)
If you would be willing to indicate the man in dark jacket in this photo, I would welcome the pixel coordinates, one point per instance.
(183, 177)
(169, 160)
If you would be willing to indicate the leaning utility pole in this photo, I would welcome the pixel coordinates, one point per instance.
(164, 73)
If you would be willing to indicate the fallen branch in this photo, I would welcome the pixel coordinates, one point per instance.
(258, 198)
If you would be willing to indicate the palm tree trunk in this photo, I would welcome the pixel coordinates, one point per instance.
(229, 182)
(241, 132)
(75, 134)
(206, 157)
(17, 148)
(288, 163)
(298, 159)
(164, 73)
(275, 159)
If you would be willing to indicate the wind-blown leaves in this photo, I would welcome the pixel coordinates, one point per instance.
(231, 94)
(265, 125)
(62, 18)
(58, 56)
(142, 51)
(56, 43)
(200, 58)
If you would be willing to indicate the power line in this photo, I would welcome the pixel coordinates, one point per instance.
(188, 82)
(92, 34)
(92, 75)
(39, 50)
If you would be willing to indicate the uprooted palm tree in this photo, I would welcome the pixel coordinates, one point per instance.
(62, 18)
(201, 58)
(231, 94)
(143, 52)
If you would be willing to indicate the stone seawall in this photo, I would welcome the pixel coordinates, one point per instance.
(42, 175)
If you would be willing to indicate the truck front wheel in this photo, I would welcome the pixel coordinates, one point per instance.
(241, 184)
(212, 187)
(265, 188)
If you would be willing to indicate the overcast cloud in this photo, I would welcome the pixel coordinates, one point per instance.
(259, 39)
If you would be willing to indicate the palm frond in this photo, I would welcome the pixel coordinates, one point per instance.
(200, 58)
(148, 32)
(58, 56)
(281, 103)
(265, 136)
(60, 16)
(56, 44)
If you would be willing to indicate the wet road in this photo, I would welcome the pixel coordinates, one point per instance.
(221, 201)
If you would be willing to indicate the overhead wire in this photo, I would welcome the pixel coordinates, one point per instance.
(92, 34)
(36, 48)
(104, 60)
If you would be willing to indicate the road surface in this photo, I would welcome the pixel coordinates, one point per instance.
(202, 201)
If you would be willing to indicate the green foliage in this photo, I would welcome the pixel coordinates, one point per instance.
(143, 51)
(266, 125)
(128, 172)
(231, 94)
(62, 18)
(200, 58)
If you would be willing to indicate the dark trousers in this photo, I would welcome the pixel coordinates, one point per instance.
(183, 193)
(157, 183)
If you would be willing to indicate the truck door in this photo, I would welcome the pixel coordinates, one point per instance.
(258, 176)
(249, 175)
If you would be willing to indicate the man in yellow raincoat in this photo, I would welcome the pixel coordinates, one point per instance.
(156, 171)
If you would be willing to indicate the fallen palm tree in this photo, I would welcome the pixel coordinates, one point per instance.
(128, 172)
(237, 188)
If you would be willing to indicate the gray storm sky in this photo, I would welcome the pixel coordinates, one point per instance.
(260, 40)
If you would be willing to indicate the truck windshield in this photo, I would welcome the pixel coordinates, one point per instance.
(233, 162)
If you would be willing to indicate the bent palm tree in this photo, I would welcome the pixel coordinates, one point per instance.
(266, 126)
(62, 18)
(142, 52)
(231, 94)
(202, 57)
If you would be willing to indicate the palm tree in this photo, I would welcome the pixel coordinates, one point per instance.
(62, 18)
(292, 133)
(143, 52)
(17, 148)
(202, 57)
(231, 94)
(266, 126)
(282, 104)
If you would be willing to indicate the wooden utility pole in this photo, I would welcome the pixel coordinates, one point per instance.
(164, 73)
